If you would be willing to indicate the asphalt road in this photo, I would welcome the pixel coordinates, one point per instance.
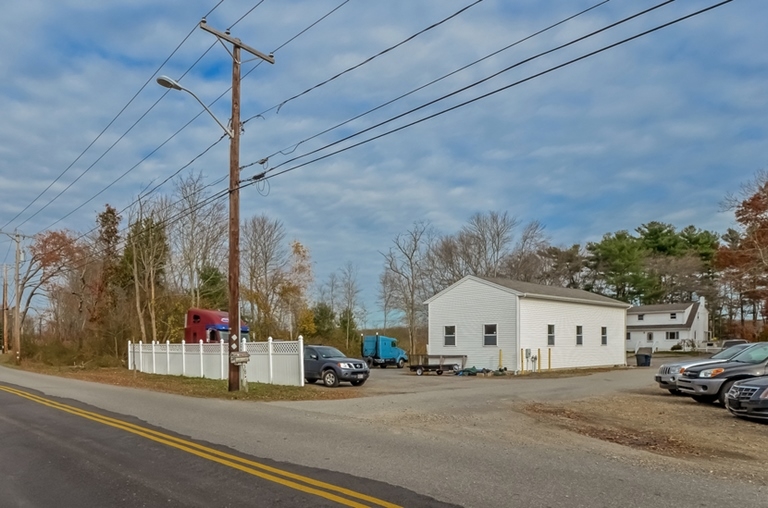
(61, 453)
(450, 438)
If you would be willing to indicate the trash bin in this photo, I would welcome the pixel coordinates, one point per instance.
(643, 360)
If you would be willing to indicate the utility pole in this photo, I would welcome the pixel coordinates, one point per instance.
(17, 294)
(234, 196)
(16, 344)
(5, 309)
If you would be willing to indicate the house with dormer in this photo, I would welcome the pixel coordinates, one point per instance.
(662, 326)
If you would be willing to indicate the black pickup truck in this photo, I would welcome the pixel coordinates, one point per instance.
(711, 382)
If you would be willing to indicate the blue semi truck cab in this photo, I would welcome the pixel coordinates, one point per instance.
(382, 351)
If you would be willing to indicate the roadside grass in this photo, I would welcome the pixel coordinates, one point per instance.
(191, 387)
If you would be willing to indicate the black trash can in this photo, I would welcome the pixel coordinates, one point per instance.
(643, 360)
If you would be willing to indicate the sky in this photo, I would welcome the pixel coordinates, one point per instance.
(659, 128)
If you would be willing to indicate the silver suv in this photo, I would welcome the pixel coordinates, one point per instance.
(669, 373)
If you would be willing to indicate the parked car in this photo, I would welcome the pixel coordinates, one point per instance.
(331, 366)
(712, 381)
(749, 398)
(732, 342)
(668, 373)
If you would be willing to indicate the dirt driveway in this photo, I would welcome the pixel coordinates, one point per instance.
(623, 408)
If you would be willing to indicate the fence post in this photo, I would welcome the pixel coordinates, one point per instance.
(222, 358)
(269, 355)
(183, 357)
(154, 371)
(167, 357)
(130, 356)
(301, 360)
(202, 372)
(141, 358)
(549, 358)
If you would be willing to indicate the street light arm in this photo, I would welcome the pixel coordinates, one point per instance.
(167, 82)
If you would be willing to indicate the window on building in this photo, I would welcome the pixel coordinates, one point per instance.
(550, 335)
(489, 335)
(604, 335)
(629, 335)
(450, 336)
(640, 317)
(579, 335)
(673, 335)
(650, 336)
(673, 315)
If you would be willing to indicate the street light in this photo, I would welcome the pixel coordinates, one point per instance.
(167, 82)
(234, 185)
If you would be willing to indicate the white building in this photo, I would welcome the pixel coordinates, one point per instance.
(662, 326)
(499, 322)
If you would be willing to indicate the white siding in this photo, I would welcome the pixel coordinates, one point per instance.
(468, 306)
(536, 314)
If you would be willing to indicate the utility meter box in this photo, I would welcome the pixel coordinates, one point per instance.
(527, 353)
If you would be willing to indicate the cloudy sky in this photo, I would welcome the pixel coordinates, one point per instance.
(657, 128)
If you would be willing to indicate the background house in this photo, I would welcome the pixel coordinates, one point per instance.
(499, 322)
(662, 326)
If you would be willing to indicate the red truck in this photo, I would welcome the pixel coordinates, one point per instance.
(209, 326)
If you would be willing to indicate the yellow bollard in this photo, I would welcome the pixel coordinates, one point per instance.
(522, 361)
(538, 360)
(549, 359)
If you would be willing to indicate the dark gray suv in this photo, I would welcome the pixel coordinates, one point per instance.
(712, 381)
(329, 365)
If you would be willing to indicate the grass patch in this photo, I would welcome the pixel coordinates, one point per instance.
(193, 387)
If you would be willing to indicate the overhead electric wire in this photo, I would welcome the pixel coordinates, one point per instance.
(366, 61)
(493, 92)
(108, 125)
(182, 128)
(472, 85)
(292, 148)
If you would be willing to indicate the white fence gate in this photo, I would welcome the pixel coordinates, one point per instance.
(273, 362)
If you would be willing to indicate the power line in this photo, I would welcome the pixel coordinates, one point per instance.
(292, 148)
(493, 92)
(179, 130)
(367, 60)
(476, 83)
(107, 127)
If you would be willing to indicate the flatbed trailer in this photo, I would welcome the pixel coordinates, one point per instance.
(436, 363)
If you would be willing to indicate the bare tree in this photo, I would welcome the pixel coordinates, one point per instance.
(406, 263)
(386, 294)
(197, 235)
(266, 261)
(526, 261)
(350, 292)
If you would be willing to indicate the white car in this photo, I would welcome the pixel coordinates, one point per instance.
(669, 373)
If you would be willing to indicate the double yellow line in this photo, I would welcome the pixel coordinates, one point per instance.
(269, 473)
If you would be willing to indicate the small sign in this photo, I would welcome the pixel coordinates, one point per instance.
(239, 357)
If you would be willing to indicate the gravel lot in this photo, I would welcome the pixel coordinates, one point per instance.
(619, 407)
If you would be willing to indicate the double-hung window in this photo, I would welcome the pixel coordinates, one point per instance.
(450, 335)
(550, 335)
(604, 335)
(489, 335)
(579, 335)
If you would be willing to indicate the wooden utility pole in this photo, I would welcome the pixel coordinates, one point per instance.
(234, 197)
(17, 294)
(5, 309)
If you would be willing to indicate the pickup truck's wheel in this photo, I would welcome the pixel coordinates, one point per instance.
(675, 391)
(419, 371)
(723, 393)
(439, 372)
(358, 383)
(330, 379)
(704, 399)
(400, 363)
(383, 365)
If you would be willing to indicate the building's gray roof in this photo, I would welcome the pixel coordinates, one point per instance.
(554, 292)
(662, 307)
(671, 326)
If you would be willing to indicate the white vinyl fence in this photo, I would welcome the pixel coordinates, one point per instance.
(273, 362)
